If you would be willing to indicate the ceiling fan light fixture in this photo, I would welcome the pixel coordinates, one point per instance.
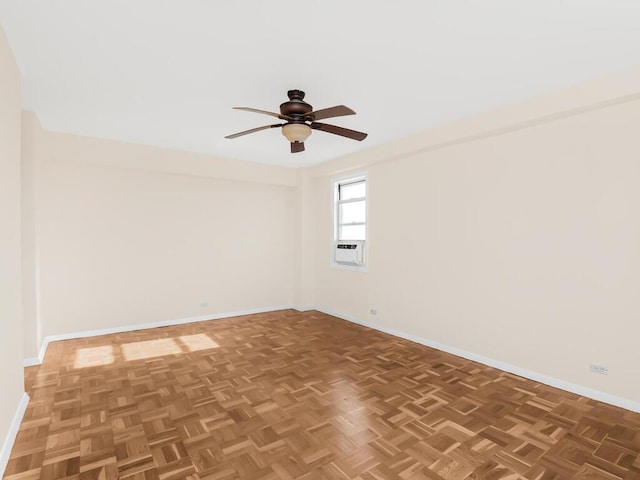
(296, 132)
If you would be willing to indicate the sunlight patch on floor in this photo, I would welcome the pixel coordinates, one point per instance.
(104, 355)
(93, 356)
(150, 349)
(200, 341)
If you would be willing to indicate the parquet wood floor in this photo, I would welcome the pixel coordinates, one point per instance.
(289, 395)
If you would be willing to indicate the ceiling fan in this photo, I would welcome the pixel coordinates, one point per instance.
(301, 119)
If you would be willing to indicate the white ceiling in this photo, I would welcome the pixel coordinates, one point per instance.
(167, 73)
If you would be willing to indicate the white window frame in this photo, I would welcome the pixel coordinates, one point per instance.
(335, 206)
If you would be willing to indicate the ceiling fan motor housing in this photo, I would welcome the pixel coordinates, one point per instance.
(296, 105)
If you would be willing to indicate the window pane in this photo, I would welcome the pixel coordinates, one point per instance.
(353, 190)
(353, 212)
(352, 232)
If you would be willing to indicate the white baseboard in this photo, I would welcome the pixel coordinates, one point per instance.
(522, 372)
(304, 308)
(10, 439)
(29, 362)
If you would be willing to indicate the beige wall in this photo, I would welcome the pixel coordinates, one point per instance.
(304, 273)
(11, 353)
(148, 243)
(31, 142)
(513, 236)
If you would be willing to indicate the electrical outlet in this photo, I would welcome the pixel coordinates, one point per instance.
(373, 311)
(599, 369)
(204, 304)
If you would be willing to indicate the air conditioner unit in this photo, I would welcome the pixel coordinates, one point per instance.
(349, 252)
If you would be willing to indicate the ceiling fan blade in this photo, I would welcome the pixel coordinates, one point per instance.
(247, 132)
(255, 110)
(337, 111)
(297, 147)
(343, 132)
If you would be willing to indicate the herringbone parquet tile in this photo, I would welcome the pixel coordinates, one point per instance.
(288, 395)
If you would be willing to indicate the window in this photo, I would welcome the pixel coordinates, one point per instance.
(351, 209)
(350, 223)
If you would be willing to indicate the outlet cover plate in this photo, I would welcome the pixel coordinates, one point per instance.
(599, 369)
